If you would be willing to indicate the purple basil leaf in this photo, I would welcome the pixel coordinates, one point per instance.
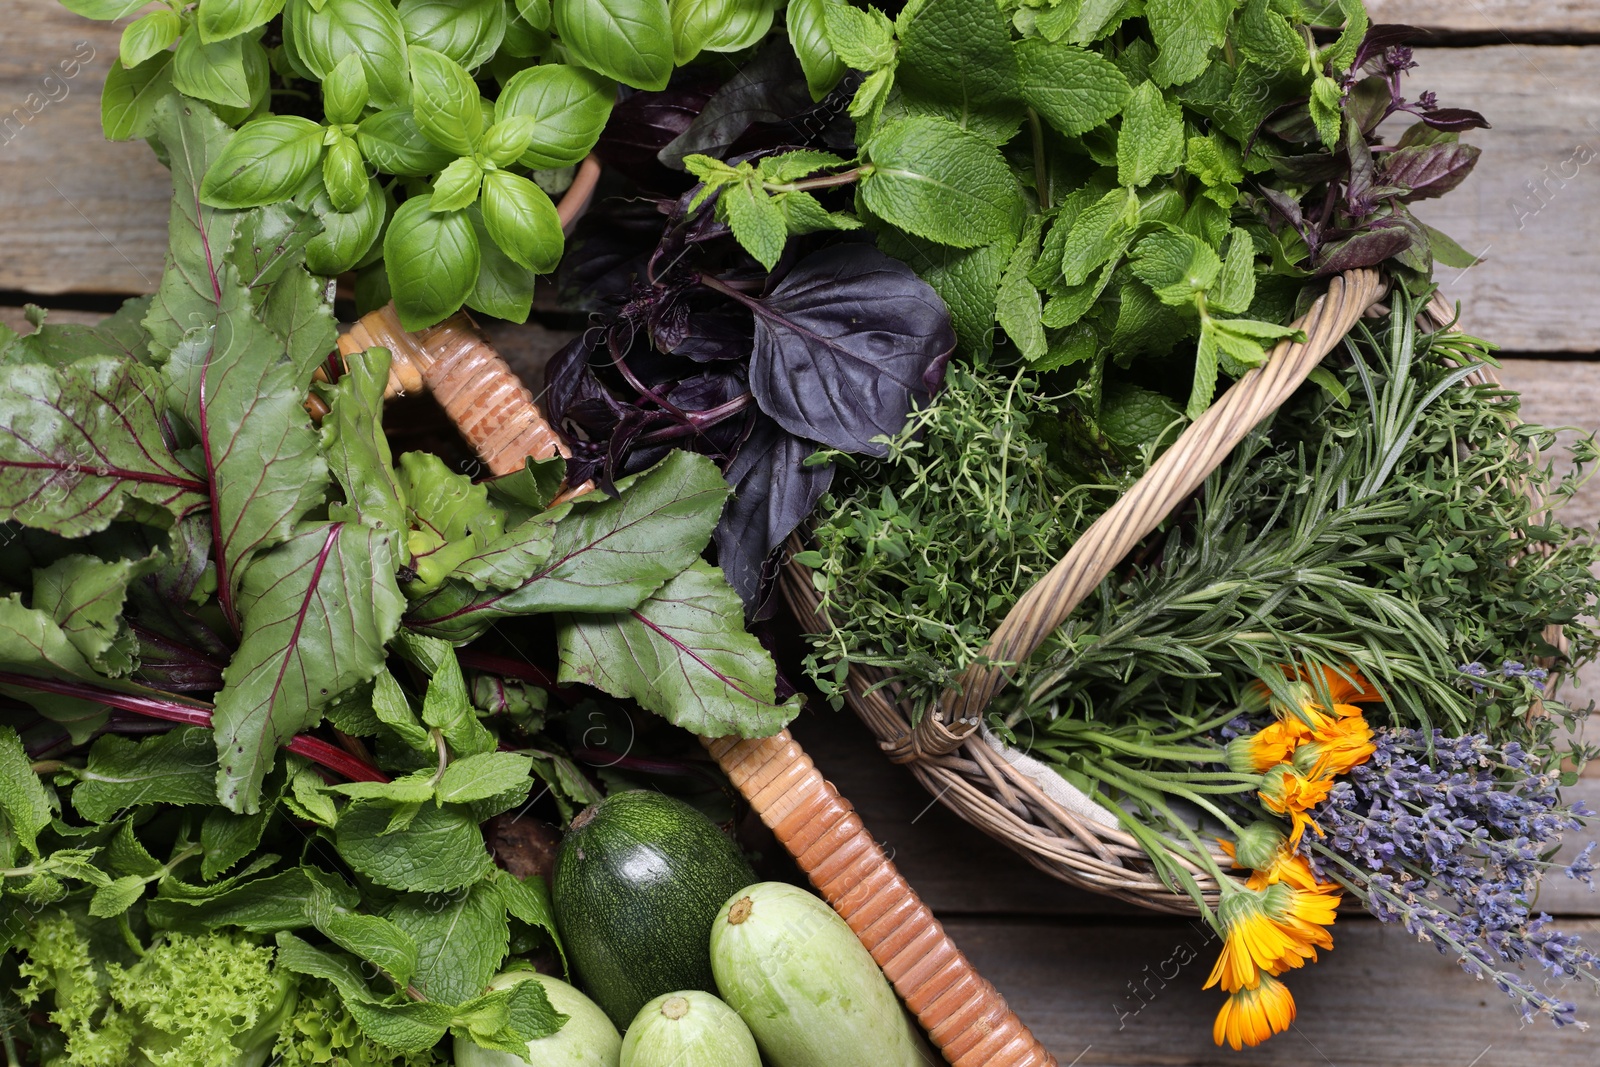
(715, 395)
(773, 492)
(845, 345)
(1365, 249)
(1430, 170)
(607, 254)
(1381, 38)
(821, 125)
(645, 123)
(702, 329)
(1454, 119)
(577, 404)
(770, 88)
(1307, 169)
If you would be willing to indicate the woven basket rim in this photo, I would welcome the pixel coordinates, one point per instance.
(945, 752)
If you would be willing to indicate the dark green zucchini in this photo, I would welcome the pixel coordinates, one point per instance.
(639, 879)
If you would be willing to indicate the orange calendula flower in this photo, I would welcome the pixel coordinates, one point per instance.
(1270, 860)
(1308, 713)
(1266, 933)
(1253, 1014)
(1285, 792)
(1269, 746)
(1335, 750)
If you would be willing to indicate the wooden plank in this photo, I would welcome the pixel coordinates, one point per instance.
(1508, 17)
(1532, 207)
(83, 215)
(87, 216)
(1115, 993)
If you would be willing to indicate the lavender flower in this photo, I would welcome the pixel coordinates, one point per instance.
(1449, 836)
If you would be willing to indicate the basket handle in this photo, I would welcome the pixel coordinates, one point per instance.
(1198, 451)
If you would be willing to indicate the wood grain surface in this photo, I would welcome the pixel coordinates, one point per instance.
(85, 216)
(1511, 18)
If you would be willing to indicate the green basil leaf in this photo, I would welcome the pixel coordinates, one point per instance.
(468, 31)
(145, 37)
(347, 236)
(504, 287)
(213, 72)
(535, 13)
(628, 40)
(456, 186)
(344, 174)
(522, 220)
(570, 106)
(344, 91)
(257, 78)
(508, 139)
(395, 144)
(265, 162)
(325, 33)
(103, 10)
(809, 37)
(432, 261)
(219, 20)
(717, 26)
(444, 101)
(934, 179)
(128, 101)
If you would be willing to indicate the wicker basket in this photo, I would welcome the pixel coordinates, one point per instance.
(1003, 792)
(964, 1016)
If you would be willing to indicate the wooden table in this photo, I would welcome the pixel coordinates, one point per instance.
(85, 223)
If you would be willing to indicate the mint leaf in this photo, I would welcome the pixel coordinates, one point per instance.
(1151, 141)
(608, 553)
(1265, 37)
(393, 710)
(1072, 89)
(411, 788)
(176, 769)
(528, 899)
(261, 906)
(485, 775)
(461, 940)
(1326, 110)
(316, 614)
(1134, 417)
(380, 941)
(82, 445)
(112, 900)
(1017, 305)
(1186, 32)
(405, 1027)
(1099, 235)
(1235, 288)
(966, 279)
(934, 179)
(958, 53)
(441, 849)
(758, 223)
(862, 39)
(683, 654)
(357, 449)
(23, 801)
(447, 706)
(1176, 266)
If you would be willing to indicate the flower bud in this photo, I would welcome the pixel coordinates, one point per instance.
(1259, 845)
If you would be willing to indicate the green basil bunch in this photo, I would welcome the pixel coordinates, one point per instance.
(443, 193)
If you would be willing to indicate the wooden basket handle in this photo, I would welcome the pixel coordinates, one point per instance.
(1198, 451)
